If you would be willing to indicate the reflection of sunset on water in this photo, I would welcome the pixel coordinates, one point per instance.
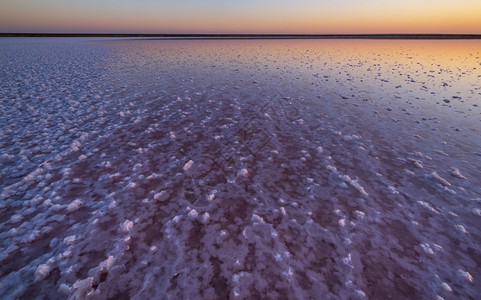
(429, 65)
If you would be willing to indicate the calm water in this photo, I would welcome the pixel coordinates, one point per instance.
(249, 168)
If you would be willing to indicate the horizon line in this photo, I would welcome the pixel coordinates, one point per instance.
(253, 35)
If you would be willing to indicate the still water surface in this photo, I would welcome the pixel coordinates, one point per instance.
(240, 168)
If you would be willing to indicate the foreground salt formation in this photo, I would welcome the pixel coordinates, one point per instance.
(214, 169)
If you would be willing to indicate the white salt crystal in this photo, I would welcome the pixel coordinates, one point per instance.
(243, 172)
(193, 213)
(126, 226)
(42, 272)
(161, 196)
(446, 287)
(465, 275)
(188, 165)
(74, 205)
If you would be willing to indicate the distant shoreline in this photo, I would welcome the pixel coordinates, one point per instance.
(257, 36)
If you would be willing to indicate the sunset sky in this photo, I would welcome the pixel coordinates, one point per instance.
(246, 16)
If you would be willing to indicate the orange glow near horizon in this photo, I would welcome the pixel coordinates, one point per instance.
(308, 17)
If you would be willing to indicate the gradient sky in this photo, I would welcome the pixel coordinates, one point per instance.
(241, 16)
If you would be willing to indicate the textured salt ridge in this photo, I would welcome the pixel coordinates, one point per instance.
(200, 188)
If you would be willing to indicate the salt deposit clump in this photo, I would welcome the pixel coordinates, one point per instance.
(161, 196)
(42, 272)
(74, 205)
(188, 165)
(243, 172)
(126, 226)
